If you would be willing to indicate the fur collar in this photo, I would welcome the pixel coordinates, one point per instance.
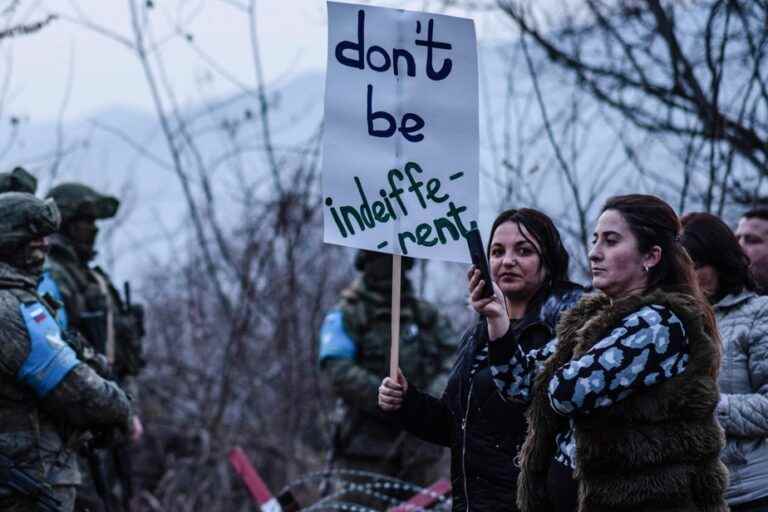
(578, 330)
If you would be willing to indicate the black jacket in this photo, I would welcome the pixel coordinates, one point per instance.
(483, 431)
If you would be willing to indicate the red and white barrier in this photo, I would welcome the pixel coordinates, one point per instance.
(425, 498)
(256, 486)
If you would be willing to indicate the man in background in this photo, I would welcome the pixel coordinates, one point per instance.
(354, 354)
(752, 233)
(18, 180)
(93, 306)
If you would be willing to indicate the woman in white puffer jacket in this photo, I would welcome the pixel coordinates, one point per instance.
(742, 319)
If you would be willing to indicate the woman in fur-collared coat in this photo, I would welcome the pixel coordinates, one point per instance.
(622, 401)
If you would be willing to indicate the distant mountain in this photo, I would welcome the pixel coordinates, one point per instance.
(123, 151)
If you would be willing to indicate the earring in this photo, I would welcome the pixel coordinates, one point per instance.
(645, 268)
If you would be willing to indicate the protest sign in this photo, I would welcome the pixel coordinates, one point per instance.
(400, 148)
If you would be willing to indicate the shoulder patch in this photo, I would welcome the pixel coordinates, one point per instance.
(335, 342)
(50, 358)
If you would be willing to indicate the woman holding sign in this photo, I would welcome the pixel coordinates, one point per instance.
(622, 402)
(530, 266)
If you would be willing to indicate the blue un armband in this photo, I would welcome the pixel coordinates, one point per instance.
(50, 358)
(335, 343)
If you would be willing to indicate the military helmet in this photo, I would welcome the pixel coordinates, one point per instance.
(18, 180)
(365, 260)
(24, 217)
(78, 200)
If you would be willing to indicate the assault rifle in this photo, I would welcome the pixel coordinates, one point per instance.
(95, 447)
(27, 485)
(100, 477)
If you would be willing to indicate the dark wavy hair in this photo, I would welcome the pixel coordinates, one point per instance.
(655, 223)
(552, 254)
(759, 213)
(709, 241)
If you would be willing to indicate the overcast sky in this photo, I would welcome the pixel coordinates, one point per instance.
(292, 35)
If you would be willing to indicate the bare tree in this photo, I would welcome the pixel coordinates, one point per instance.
(690, 75)
(18, 19)
(233, 314)
(537, 131)
(10, 24)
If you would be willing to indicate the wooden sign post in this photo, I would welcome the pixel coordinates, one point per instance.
(394, 351)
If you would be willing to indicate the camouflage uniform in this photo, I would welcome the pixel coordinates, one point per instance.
(88, 310)
(354, 355)
(93, 307)
(46, 393)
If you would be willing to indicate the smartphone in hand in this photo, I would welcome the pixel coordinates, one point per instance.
(477, 252)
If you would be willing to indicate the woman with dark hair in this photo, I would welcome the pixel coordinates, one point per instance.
(529, 265)
(742, 319)
(622, 401)
(721, 266)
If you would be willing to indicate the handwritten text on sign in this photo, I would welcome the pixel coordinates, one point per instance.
(400, 164)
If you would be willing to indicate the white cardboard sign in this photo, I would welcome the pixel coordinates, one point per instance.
(400, 147)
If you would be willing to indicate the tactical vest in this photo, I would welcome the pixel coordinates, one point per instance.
(87, 305)
(656, 450)
(367, 319)
(95, 309)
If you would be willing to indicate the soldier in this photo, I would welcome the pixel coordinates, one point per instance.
(18, 180)
(354, 350)
(45, 391)
(92, 305)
